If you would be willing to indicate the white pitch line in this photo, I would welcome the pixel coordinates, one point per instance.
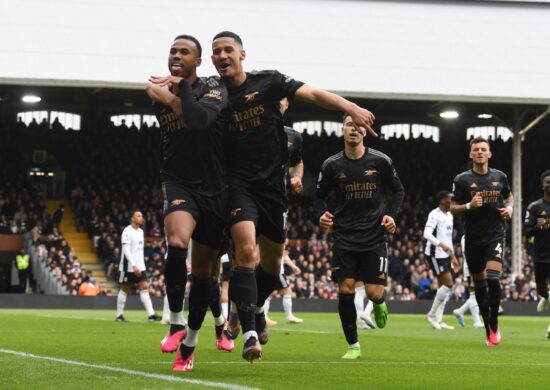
(168, 378)
(379, 363)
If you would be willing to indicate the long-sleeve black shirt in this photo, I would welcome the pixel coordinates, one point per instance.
(362, 192)
(484, 224)
(539, 209)
(192, 147)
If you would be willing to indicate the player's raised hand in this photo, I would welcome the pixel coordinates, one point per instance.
(389, 224)
(326, 220)
(363, 120)
(165, 80)
(477, 201)
(506, 212)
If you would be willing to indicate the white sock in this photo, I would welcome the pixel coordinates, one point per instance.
(176, 318)
(250, 333)
(225, 306)
(233, 307)
(165, 310)
(191, 338)
(267, 304)
(120, 302)
(359, 300)
(219, 320)
(146, 300)
(368, 308)
(441, 308)
(474, 308)
(259, 309)
(355, 345)
(442, 293)
(464, 308)
(287, 306)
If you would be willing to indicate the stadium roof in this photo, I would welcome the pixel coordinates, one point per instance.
(417, 50)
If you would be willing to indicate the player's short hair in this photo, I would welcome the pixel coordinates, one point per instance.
(192, 39)
(344, 117)
(132, 212)
(478, 140)
(229, 34)
(544, 175)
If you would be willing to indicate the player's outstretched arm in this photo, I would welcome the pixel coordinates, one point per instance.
(362, 118)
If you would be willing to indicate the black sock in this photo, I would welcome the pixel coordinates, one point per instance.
(185, 351)
(244, 293)
(199, 296)
(495, 293)
(176, 328)
(266, 284)
(348, 316)
(482, 298)
(175, 276)
(215, 300)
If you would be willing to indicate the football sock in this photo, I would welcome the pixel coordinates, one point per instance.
(267, 304)
(348, 317)
(440, 298)
(165, 310)
(177, 318)
(225, 307)
(359, 300)
(474, 308)
(287, 305)
(120, 302)
(146, 300)
(199, 297)
(215, 305)
(482, 298)
(245, 295)
(265, 284)
(175, 276)
(495, 293)
(368, 308)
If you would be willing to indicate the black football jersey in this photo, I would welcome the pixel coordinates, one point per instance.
(195, 157)
(539, 209)
(361, 191)
(256, 143)
(483, 225)
(294, 142)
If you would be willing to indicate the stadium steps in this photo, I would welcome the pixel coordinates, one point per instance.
(82, 245)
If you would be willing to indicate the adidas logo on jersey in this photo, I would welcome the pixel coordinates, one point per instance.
(473, 185)
(342, 175)
(543, 212)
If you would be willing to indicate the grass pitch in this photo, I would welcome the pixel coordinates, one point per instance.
(53, 349)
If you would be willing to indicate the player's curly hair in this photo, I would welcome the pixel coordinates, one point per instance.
(544, 175)
(192, 39)
(229, 34)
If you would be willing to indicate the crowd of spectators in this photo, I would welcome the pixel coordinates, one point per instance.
(114, 170)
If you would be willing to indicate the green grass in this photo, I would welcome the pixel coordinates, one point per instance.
(407, 354)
